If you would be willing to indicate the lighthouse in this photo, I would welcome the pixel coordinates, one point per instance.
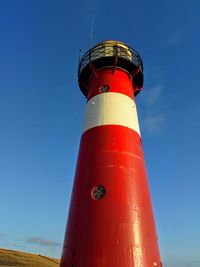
(110, 220)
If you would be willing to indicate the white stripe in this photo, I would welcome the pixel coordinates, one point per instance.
(111, 109)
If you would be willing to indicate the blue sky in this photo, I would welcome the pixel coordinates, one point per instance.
(41, 115)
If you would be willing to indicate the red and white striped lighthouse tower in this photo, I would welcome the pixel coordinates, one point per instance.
(110, 221)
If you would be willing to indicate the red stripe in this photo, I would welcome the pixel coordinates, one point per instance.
(108, 232)
(118, 81)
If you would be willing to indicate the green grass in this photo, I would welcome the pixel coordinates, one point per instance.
(21, 259)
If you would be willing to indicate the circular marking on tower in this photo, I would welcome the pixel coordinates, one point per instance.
(98, 192)
(103, 89)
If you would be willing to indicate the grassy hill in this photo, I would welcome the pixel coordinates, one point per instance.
(21, 259)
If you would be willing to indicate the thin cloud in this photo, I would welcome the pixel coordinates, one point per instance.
(153, 123)
(151, 102)
(174, 39)
(152, 95)
(43, 241)
(3, 235)
(192, 263)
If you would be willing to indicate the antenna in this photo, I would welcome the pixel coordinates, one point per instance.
(91, 32)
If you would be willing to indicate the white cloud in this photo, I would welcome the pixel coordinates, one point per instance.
(42, 241)
(152, 95)
(192, 263)
(174, 39)
(153, 123)
(3, 235)
(153, 117)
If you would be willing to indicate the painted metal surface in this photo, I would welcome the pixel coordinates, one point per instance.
(111, 108)
(119, 82)
(110, 221)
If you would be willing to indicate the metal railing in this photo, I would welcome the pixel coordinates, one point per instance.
(111, 49)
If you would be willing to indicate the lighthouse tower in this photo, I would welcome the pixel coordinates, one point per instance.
(110, 221)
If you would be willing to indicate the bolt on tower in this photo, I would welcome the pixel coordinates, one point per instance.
(110, 221)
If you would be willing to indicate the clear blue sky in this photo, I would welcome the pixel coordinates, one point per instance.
(41, 114)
